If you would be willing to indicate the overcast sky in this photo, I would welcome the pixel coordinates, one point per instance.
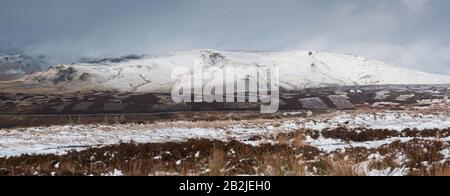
(408, 33)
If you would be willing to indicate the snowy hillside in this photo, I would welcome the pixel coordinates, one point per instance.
(298, 70)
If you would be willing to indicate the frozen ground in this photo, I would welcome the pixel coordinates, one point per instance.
(389, 143)
(60, 139)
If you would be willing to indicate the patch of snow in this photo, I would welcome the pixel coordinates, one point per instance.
(382, 95)
(375, 156)
(433, 101)
(329, 145)
(364, 167)
(161, 173)
(116, 172)
(388, 172)
(377, 104)
(157, 158)
(397, 121)
(292, 113)
(405, 97)
(446, 153)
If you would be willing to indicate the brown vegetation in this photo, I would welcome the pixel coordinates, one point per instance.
(289, 156)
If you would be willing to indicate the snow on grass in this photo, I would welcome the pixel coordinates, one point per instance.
(60, 139)
(388, 172)
(397, 121)
(330, 145)
(364, 167)
(116, 172)
(446, 153)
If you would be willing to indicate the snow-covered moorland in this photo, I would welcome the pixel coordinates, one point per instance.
(59, 139)
(333, 143)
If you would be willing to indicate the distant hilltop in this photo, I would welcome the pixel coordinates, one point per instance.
(299, 69)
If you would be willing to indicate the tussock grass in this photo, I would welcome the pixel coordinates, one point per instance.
(341, 166)
(288, 156)
(281, 164)
(217, 162)
(441, 170)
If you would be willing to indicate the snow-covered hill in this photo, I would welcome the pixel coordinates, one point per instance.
(298, 70)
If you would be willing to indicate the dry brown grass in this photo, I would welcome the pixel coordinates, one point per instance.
(294, 139)
(281, 164)
(289, 157)
(217, 162)
(140, 167)
(441, 170)
(283, 139)
(419, 152)
(387, 162)
(340, 166)
(435, 170)
(298, 139)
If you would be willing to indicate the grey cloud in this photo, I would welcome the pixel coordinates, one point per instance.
(408, 33)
